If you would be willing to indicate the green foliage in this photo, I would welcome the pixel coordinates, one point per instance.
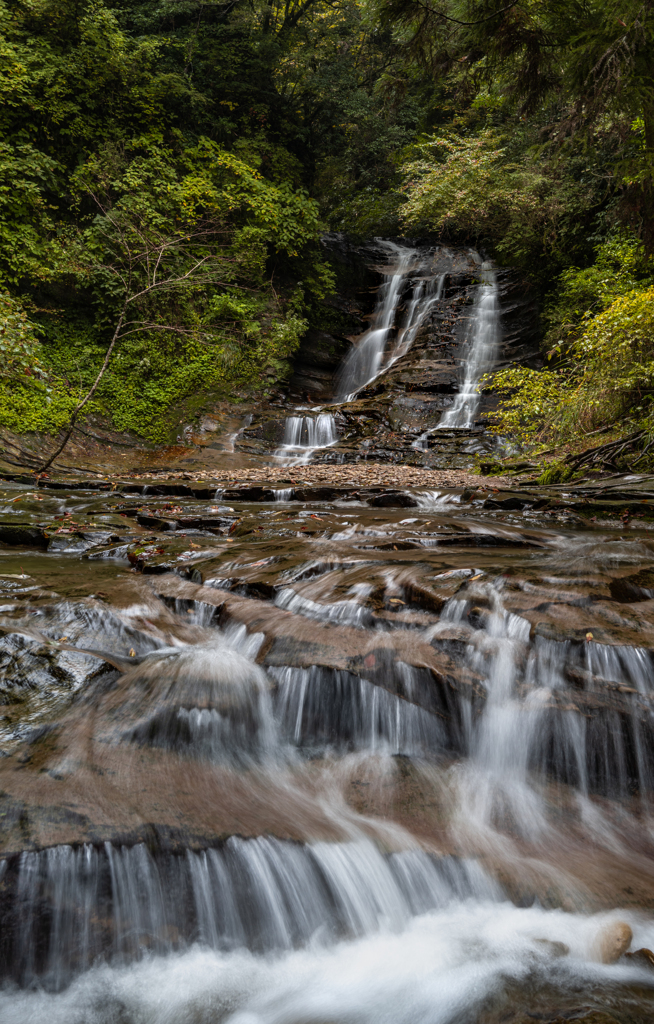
(556, 473)
(468, 186)
(27, 246)
(212, 140)
(19, 345)
(531, 401)
(610, 377)
(621, 266)
(136, 137)
(617, 345)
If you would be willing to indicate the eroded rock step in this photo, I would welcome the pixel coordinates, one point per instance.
(363, 629)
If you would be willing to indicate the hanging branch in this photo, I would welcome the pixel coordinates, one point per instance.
(467, 24)
(139, 264)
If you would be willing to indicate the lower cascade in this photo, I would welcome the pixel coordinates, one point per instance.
(262, 894)
(303, 434)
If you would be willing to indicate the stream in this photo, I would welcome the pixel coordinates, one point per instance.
(347, 753)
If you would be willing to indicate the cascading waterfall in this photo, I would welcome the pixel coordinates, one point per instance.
(481, 352)
(128, 903)
(263, 894)
(362, 764)
(76, 906)
(373, 352)
(304, 434)
(319, 709)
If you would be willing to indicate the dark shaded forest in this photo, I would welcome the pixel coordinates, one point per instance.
(167, 170)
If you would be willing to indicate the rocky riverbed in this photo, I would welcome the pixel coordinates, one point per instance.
(346, 739)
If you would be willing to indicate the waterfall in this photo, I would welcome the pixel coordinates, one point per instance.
(373, 352)
(485, 332)
(396, 766)
(346, 612)
(263, 894)
(304, 434)
(321, 708)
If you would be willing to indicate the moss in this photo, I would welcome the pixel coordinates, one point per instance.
(556, 473)
(148, 380)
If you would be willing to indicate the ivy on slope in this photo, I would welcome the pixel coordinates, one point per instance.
(602, 355)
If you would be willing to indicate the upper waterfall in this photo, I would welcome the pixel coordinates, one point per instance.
(484, 337)
(373, 352)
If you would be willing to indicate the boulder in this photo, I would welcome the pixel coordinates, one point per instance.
(611, 942)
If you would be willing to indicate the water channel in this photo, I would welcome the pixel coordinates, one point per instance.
(325, 756)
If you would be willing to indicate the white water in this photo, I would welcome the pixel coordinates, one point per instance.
(303, 435)
(261, 931)
(373, 352)
(482, 348)
(443, 967)
(322, 709)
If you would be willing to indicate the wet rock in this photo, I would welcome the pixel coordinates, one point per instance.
(507, 503)
(541, 1016)
(168, 489)
(23, 535)
(423, 597)
(553, 949)
(248, 494)
(320, 493)
(317, 362)
(156, 523)
(643, 957)
(638, 587)
(612, 941)
(393, 499)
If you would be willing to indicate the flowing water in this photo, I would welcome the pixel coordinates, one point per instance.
(367, 767)
(284, 756)
(484, 333)
(404, 301)
(303, 435)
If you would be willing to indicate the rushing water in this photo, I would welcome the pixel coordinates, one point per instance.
(391, 334)
(481, 353)
(324, 761)
(303, 435)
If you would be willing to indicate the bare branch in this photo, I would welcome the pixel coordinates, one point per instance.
(480, 21)
(88, 396)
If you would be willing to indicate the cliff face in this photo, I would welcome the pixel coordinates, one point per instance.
(520, 321)
(394, 418)
(338, 320)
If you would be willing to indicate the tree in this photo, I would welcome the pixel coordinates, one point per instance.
(167, 231)
(577, 73)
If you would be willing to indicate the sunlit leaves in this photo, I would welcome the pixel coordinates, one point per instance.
(467, 185)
